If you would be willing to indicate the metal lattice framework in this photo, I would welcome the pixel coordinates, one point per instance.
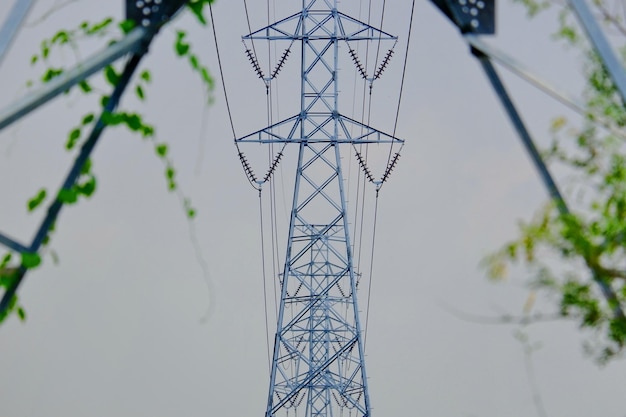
(318, 365)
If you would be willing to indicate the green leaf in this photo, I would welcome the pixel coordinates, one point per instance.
(196, 7)
(195, 64)
(21, 313)
(169, 175)
(111, 75)
(50, 74)
(147, 131)
(68, 196)
(139, 92)
(86, 168)
(99, 27)
(61, 37)
(5, 260)
(12, 303)
(45, 49)
(207, 78)
(127, 25)
(72, 138)
(88, 187)
(34, 59)
(146, 76)
(161, 150)
(88, 119)
(85, 86)
(133, 121)
(36, 201)
(181, 47)
(31, 260)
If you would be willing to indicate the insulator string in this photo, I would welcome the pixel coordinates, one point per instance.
(281, 62)
(254, 62)
(357, 62)
(384, 64)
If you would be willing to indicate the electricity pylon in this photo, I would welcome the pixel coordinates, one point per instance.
(318, 359)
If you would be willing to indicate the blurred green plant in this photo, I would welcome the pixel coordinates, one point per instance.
(572, 256)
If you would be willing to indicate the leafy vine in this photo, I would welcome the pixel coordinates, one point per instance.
(108, 30)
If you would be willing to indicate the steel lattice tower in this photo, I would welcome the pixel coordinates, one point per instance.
(317, 366)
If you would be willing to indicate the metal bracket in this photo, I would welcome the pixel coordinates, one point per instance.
(152, 12)
(470, 16)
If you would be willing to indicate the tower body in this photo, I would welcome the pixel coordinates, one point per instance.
(318, 365)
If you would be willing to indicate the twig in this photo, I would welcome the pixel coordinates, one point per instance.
(51, 11)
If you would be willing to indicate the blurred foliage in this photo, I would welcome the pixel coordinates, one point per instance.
(108, 31)
(578, 259)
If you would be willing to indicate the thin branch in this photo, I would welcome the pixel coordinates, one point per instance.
(530, 373)
(51, 11)
(504, 318)
(611, 18)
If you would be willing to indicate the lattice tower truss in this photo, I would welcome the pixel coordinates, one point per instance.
(318, 365)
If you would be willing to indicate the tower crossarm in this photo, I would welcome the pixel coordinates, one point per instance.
(318, 132)
(291, 28)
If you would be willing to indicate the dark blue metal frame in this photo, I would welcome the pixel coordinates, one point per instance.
(137, 42)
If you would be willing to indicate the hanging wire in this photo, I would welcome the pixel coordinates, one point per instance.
(391, 161)
(382, 18)
(273, 215)
(361, 180)
(267, 330)
(219, 64)
(369, 286)
(406, 58)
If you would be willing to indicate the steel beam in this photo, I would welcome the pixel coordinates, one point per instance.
(601, 45)
(133, 42)
(540, 165)
(12, 25)
(74, 173)
(12, 244)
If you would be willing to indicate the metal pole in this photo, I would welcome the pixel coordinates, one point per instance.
(524, 72)
(85, 152)
(12, 25)
(544, 173)
(12, 244)
(131, 43)
(601, 45)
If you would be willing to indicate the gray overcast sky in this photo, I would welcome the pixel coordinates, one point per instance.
(115, 329)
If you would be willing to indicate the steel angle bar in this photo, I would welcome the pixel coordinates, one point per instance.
(12, 25)
(55, 208)
(540, 165)
(132, 42)
(601, 45)
(12, 244)
(524, 72)
(520, 127)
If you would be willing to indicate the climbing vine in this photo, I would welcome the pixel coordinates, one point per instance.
(107, 30)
